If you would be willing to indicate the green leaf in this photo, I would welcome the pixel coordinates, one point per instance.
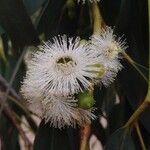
(120, 140)
(1, 30)
(49, 22)
(17, 24)
(113, 121)
(9, 134)
(49, 138)
(32, 5)
(55, 20)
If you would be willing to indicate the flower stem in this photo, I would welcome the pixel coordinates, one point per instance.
(137, 113)
(85, 132)
(132, 62)
(97, 18)
(140, 136)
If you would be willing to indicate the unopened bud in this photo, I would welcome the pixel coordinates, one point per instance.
(85, 100)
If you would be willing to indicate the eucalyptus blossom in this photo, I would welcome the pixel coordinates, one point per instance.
(63, 111)
(109, 49)
(62, 67)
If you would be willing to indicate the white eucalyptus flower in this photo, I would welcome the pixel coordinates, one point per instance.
(61, 67)
(107, 44)
(108, 49)
(63, 111)
(58, 110)
(33, 97)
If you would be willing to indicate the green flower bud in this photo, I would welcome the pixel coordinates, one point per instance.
(85, 100)
(98, 69)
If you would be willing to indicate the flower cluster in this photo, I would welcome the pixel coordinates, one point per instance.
(65, 67)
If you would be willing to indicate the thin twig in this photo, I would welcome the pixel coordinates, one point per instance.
(17, 100)
(4, 85)
(140, 136)
(12, 79)
(137, 113)
(133, 63)
(11, 116)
